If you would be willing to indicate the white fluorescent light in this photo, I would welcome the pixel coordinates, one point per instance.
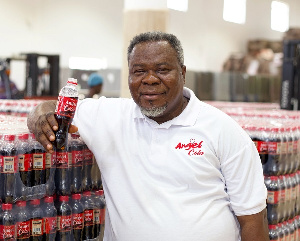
(234, 11)
(279, 16)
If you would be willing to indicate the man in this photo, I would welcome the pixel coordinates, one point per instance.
(95, 82)
(173, 168)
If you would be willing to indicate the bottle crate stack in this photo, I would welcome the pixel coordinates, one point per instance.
(276, 134)
(45, 196)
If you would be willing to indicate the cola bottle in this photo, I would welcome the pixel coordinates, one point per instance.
(62, 173)
(280, 232)
(272, 185)
(64, 220)
(282, 204)
(1, 171)
(286, 230)
(273, 167)
(7, 223)
(38, 162)
(50, 165)
(64, 113)
(297, 227)
(289, 150)
(77, 217)
(8, 155)
(262, 144)
(291, 226)
(283, 158)
(99, 213)
(273, 233)
(298, 148)
(23, 180)
(295, 149)
(293, 194)
(50, 219)
(25, 159)
(288, 197)
(77, 150)
(88, 227)
(96, 175)
(87, 169)
(23, 221)
(37, 221)
(297, 177)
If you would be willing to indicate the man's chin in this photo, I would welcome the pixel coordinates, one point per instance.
(153, 111)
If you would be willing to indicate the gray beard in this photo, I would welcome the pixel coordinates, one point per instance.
(154, 111)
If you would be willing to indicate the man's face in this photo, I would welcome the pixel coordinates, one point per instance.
(156, 79)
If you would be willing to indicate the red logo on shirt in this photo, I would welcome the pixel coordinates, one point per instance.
(193, 148)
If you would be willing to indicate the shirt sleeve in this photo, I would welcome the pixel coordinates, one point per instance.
(244, 181)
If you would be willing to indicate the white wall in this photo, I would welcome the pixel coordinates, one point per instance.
(208, 40)
(93, 28)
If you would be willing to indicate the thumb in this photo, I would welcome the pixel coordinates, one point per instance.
(73, 129)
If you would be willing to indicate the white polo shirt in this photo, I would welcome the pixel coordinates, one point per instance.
(182, 180)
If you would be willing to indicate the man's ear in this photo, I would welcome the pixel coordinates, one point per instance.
(183, 72)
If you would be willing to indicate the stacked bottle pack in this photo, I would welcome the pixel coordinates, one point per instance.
(47, 196)
(276, 134)
(17, 107)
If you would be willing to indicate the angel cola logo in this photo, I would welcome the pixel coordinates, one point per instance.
(193, 148)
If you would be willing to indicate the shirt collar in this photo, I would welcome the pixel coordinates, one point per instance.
(187, 118)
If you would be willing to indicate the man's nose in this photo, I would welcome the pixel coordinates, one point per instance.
(151, 78)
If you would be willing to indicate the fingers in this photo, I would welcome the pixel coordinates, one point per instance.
(44, 127)
(73, 129)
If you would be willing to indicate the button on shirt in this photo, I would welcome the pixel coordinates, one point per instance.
(185, 179)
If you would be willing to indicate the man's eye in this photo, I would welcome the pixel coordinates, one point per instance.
(163, 71)
(139, 71)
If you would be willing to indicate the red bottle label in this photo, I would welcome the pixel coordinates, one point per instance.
(9, 164)
(97, 216)
(64, 223)
(50, 224)
(77, 158)
(88, 156)
(88, 217)
(273, 197)
(295, 147)
(66, 106)
(38, 161)
(262, 147)
(25, 162)
(102, 216)
(62, 160)
(37, 227)
(77, 220)
(274, 148)
(23, 230)
(50, 160)
(7, 232)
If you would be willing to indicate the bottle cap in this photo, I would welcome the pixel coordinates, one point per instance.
(48, 199)
(23, 136)
(63, 198)
(9, 137)
(87, 193)
(76, 196)
(272, 226)
(72, 81)
(35, 202)
(99, 192)
(7, 206)
(21, 203)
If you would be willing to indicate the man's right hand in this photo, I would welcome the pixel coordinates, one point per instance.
(42, 122)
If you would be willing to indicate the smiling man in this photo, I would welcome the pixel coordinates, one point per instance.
(173, 168)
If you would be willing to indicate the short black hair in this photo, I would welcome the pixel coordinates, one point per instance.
(156, 36)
